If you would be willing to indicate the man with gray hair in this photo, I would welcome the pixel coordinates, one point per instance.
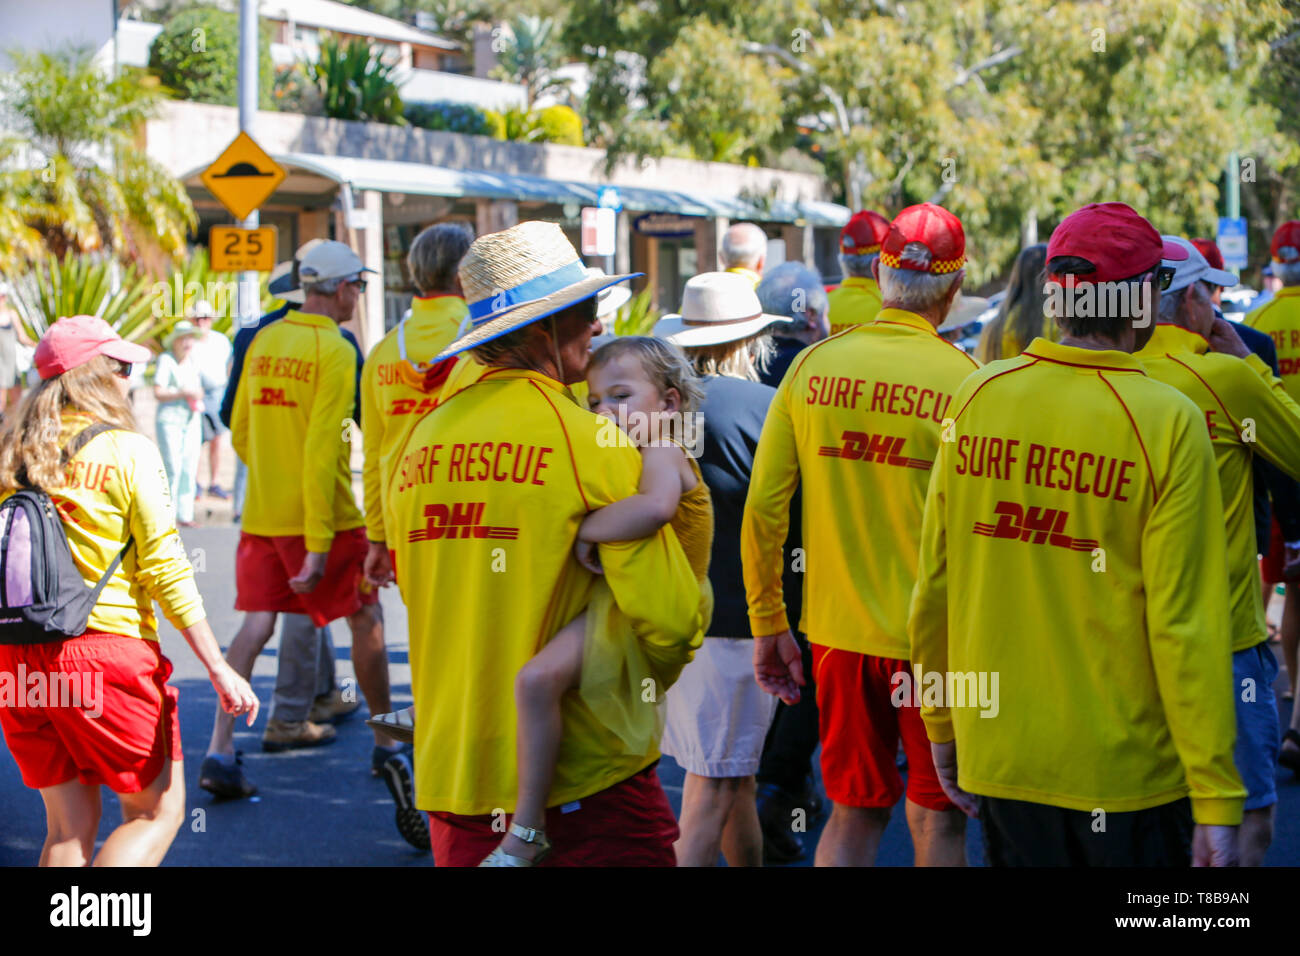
(744, 248)
(301, 544)
(857, 298)
(856, 425)
(795, 290)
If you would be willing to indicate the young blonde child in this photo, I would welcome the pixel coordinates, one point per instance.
(644, 385)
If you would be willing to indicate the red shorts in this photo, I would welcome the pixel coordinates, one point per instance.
(264, 565)
(628, 824)
(860, 730)
(1271, 564)
(111, 720)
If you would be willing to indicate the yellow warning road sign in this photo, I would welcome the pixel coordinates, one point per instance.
(232, 249)
(243, 176)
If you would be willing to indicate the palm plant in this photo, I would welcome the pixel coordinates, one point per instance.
(531, 57)
(85, 185)
(636, 316)
(355, 84)
(83, 285)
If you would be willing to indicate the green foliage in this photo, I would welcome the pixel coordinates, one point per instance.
(530, 55)
(294, 91)
(355, 84)
(92, 187)
(715, 99)
(560, 124)
(555, 124)
(452, 117)
(196, 57)
(635, 316)
(82, 285)
(1010, 112)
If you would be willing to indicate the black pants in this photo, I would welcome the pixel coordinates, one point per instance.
(1017, 833)
(793, 736)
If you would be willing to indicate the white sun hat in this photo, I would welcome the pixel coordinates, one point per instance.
(514, 277)
(717, 307)
(610, 300)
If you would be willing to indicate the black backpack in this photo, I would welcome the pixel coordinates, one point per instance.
(43, 597)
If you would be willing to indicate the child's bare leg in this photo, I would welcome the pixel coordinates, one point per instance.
(541, 683)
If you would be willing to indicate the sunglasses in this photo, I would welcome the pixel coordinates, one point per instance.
(1165, 276)
(123, 369)
(359, 283)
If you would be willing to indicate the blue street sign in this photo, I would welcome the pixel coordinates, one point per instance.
(1232, 242)
(607, 197)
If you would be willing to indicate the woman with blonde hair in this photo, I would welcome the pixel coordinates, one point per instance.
(1021, 318)
(716, 715)
(73, 439)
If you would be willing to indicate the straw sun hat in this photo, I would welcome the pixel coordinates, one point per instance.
(519, 275)
(717, 307)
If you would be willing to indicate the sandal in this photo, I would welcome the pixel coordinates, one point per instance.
(1290, 758)
(500, 857)
(400, 724)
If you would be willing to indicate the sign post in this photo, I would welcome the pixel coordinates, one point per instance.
(1231, 241)
(609, 203)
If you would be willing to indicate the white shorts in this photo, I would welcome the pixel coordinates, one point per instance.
(717, 715)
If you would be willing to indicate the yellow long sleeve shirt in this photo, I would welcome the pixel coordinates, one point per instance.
(855, 301)
(1279, 317)
(1246, 411)
(116, 486)
(857, 419)
(392, 396)
(485, 498)
(292, 425)
(1088, 575)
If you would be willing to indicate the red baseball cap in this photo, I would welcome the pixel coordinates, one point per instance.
(1288, 234)
(1115, 239)
(863, 233)
(1210, 250)
(77, 339)
(937, 230)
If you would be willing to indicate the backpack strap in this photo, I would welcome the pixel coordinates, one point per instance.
(80, 441)
(84, 437)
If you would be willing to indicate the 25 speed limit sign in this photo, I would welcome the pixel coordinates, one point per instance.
(234, 249)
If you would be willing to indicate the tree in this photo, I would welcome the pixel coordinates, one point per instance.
(355, 84)
(196, 57)
(1011, 112)
(530, 54)
(85, 184)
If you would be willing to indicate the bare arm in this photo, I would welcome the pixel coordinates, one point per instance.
(645, 512)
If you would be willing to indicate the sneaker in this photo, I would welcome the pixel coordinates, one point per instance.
(217, 492)
(412, 824)
(330, 707)
(227, 783)
(379, 756)
(295, 734)
(776, 817)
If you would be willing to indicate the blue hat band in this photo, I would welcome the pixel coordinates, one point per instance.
(536, 288)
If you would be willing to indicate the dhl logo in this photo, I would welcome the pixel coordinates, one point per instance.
(408, 406)
(274, 396)
(1289, 366)
(458, 521)
(1038, 526)
(884, 449)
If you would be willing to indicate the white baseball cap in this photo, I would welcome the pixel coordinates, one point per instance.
(329, 260)
(1194, 268)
